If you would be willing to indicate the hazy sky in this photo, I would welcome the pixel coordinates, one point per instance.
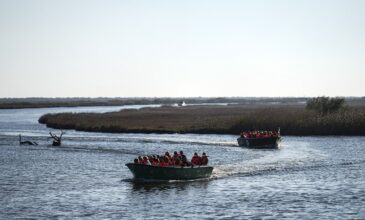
(182, 48)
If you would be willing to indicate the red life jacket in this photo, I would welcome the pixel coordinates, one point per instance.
(195, 160)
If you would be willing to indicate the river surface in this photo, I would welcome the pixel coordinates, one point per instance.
(307, 178)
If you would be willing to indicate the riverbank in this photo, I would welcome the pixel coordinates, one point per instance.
(232, 119)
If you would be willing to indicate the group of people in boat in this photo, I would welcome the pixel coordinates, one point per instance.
(260, 134)
(177, 159)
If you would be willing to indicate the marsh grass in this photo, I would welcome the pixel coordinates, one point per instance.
(214, 119)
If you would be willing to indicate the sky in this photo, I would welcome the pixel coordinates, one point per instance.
(186, 48)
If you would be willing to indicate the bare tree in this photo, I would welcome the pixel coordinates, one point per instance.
(56, 139)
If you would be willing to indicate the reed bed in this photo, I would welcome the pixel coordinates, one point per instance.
(214, 120)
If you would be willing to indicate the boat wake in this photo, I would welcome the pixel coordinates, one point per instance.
(96, 149)
(288, 159)
(176, 141)
(222, 172)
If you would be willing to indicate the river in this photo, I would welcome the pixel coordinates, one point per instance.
(307, 178)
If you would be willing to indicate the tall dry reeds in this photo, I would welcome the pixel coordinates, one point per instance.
(214, 119)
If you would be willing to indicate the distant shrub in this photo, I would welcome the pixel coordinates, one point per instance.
(324, 105)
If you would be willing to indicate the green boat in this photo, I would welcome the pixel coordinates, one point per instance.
(158, 173)
(269, 140)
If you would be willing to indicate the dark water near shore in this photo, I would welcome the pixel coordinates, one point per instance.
(309, 177)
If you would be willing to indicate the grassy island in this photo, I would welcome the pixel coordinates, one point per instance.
(205, 119)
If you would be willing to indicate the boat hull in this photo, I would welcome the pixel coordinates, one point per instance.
(259, 143)
(148, 172)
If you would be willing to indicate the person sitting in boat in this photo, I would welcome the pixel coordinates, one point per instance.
(170, 161)
(196, 160)
(167, 154)
(204, 159)
(136, 160)
(184, 160)
(176, 155)
(174, 158)
(140, 159)
(156, 161)
(146, 161)
(150, 159)
(164, 162)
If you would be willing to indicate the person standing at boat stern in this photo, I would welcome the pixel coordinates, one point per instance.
(204, 159)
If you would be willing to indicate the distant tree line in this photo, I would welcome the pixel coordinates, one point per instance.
(13, 103)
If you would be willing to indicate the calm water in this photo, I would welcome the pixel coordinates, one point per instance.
(308, 178)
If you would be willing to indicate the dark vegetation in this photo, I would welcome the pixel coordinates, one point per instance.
(293, 119)
(325, 105)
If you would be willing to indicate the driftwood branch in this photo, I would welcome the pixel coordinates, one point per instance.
(56, 139)
(61, 134)
(26, 142)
